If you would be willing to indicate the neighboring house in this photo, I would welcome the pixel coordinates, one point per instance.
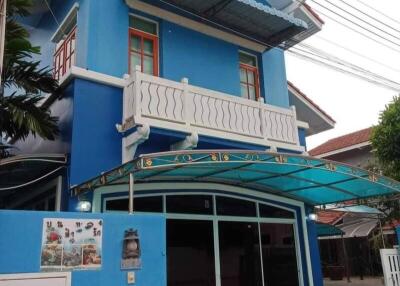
(361, 230)
(178, 102)
(353, 148)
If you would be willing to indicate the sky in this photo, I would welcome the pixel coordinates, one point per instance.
(353, 103)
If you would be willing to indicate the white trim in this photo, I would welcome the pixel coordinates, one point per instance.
(303, 124)
(345, 149)
(42, 275)
(60, 32)
(311, 106)
(194, 25)
(77, 72)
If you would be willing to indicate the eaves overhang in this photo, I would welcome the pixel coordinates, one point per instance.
(307, 179)
(308, 111)
(246, 18)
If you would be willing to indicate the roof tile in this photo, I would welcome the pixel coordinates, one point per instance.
(343, 142)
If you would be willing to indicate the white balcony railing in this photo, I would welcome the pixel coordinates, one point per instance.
(180, 106)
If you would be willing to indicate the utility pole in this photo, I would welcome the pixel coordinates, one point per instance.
(3, 6)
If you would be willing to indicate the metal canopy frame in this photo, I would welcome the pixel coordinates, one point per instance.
(247, 18)
(20, 171)
(311, 180)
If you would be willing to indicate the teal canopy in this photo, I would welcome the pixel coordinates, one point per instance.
(311, 180)
(324, 230)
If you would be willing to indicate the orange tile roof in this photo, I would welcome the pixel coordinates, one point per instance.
(343, 142)
(309, 100)
(329, 217)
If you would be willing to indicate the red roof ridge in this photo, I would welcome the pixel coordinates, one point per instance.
(309, 100)
(343, 141)
(311, 10)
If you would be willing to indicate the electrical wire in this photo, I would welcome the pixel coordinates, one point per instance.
(360, 19)
(356, 24)
(322, 54)
(379, 12)
(356, 31)
(357, 53)
(54, 17)
(369, 16)
(344, 71)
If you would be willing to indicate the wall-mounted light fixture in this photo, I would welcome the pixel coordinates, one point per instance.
(313, 216)
(84, 206)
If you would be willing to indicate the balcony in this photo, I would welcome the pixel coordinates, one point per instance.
(178, 106)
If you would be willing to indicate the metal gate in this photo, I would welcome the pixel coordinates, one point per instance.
(391, 266)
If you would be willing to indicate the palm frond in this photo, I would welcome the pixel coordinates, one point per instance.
(21, 115)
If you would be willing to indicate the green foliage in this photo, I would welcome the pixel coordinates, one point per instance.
(386, 139)
(21, 113)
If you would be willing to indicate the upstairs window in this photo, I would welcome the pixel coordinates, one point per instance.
(65, 42)
(249, 86)
(143, 45)
(64, 57)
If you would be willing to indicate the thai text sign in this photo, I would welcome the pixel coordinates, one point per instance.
(71, 244)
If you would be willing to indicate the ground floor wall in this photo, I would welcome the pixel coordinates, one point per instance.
(22, 246)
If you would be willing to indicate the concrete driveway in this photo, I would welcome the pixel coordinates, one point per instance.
(355, 281)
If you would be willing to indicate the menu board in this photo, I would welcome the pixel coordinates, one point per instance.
(71, 244)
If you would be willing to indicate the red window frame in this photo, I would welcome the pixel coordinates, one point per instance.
(256, 85)
(62, 59)
(143, 35)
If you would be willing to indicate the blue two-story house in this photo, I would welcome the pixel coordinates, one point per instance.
(182, 108)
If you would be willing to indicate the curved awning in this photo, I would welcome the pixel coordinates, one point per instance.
(311, 180)
(327, 230)
(23, 170)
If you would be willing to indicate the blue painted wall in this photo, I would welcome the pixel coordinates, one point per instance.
(20, 246)
(96, 143)
(274, 76)
(206, 61)
(102, 46)
(314, 251)
(302, 137)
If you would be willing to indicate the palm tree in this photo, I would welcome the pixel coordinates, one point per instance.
(21, 111)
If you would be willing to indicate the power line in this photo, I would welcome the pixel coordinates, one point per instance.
(319, 62)
(356, 31)
(319, 53)
(379, 12)
(353, 69)
(360, 19)
(357, 53)
(369, 16)
(356, 24)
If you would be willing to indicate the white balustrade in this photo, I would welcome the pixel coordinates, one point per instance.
(183, 107)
